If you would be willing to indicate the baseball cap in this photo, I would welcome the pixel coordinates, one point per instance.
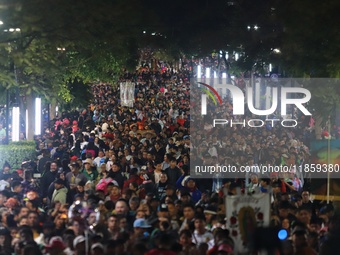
(60, 181)
(97, 245)
(75, 164)
(78, 240)
(141, 223)
(56, 242)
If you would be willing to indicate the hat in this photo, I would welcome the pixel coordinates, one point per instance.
(210, 210)
(4, 231)
(75, 164)
(88, 161)
(96, 246)
(56, 242)
(78, 240)
(60, 181)
(141, 223)
(74, 158)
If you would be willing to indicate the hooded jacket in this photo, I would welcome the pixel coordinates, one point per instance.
(60, 195)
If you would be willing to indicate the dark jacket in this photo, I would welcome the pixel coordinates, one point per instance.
(118, 177)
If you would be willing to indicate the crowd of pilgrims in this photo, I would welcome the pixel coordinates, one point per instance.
(116, 180)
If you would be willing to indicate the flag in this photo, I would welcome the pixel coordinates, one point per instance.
(127, 94)
(244, 214)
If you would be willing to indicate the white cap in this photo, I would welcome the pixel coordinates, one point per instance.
(78, 240)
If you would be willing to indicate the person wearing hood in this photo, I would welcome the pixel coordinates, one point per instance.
(188, 184)
(60, 192)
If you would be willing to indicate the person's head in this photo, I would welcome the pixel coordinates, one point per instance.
(200, 224)
(23, 221)
(134, 203)
(185, 237)
(185, 197)
(305, 196)
(23, 212)
(140, 226)
(173, 162)
(115, 191)
(163, 178)
(75, 167)
(16, 186)
(188, 211)
(284, 209)
(112, 222)
(115, 167)
(88, 165)
(79, 245)
(121, 207)
(53, 166)
(285, 223)
(3, 197)
(33, 219)
(304, 215)
(254, 179)
(299, 237)
(25, 233)
(191, 183)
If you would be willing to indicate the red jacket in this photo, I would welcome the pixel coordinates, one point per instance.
(133, 178)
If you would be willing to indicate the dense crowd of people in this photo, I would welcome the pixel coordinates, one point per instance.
(117, 180)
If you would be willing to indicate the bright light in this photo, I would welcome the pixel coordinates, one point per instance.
(248, 27)
(11, 30)
(256, 27)
(56, 110)
(224, 75)
(283, 234)
(6, 30)
(270, 67)
(215, 74)
(144, 32)
(18, 29)
(207, 73)
(153, 34)
(26, 122)
(276, 51)
(236, 56)
(1, 23)
(199, 73)
(37, 129)
(15, 124)
(61, 49)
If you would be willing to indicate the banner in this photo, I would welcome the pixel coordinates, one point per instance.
(127, 94)
(244, 214)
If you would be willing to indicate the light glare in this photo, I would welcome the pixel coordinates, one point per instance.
(15, 124)
(37, 130)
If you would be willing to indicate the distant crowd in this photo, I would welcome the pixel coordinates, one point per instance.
(116, 180)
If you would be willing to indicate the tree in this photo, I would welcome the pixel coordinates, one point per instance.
(94, 44)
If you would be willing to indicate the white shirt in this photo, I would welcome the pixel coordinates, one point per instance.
(204, 238)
